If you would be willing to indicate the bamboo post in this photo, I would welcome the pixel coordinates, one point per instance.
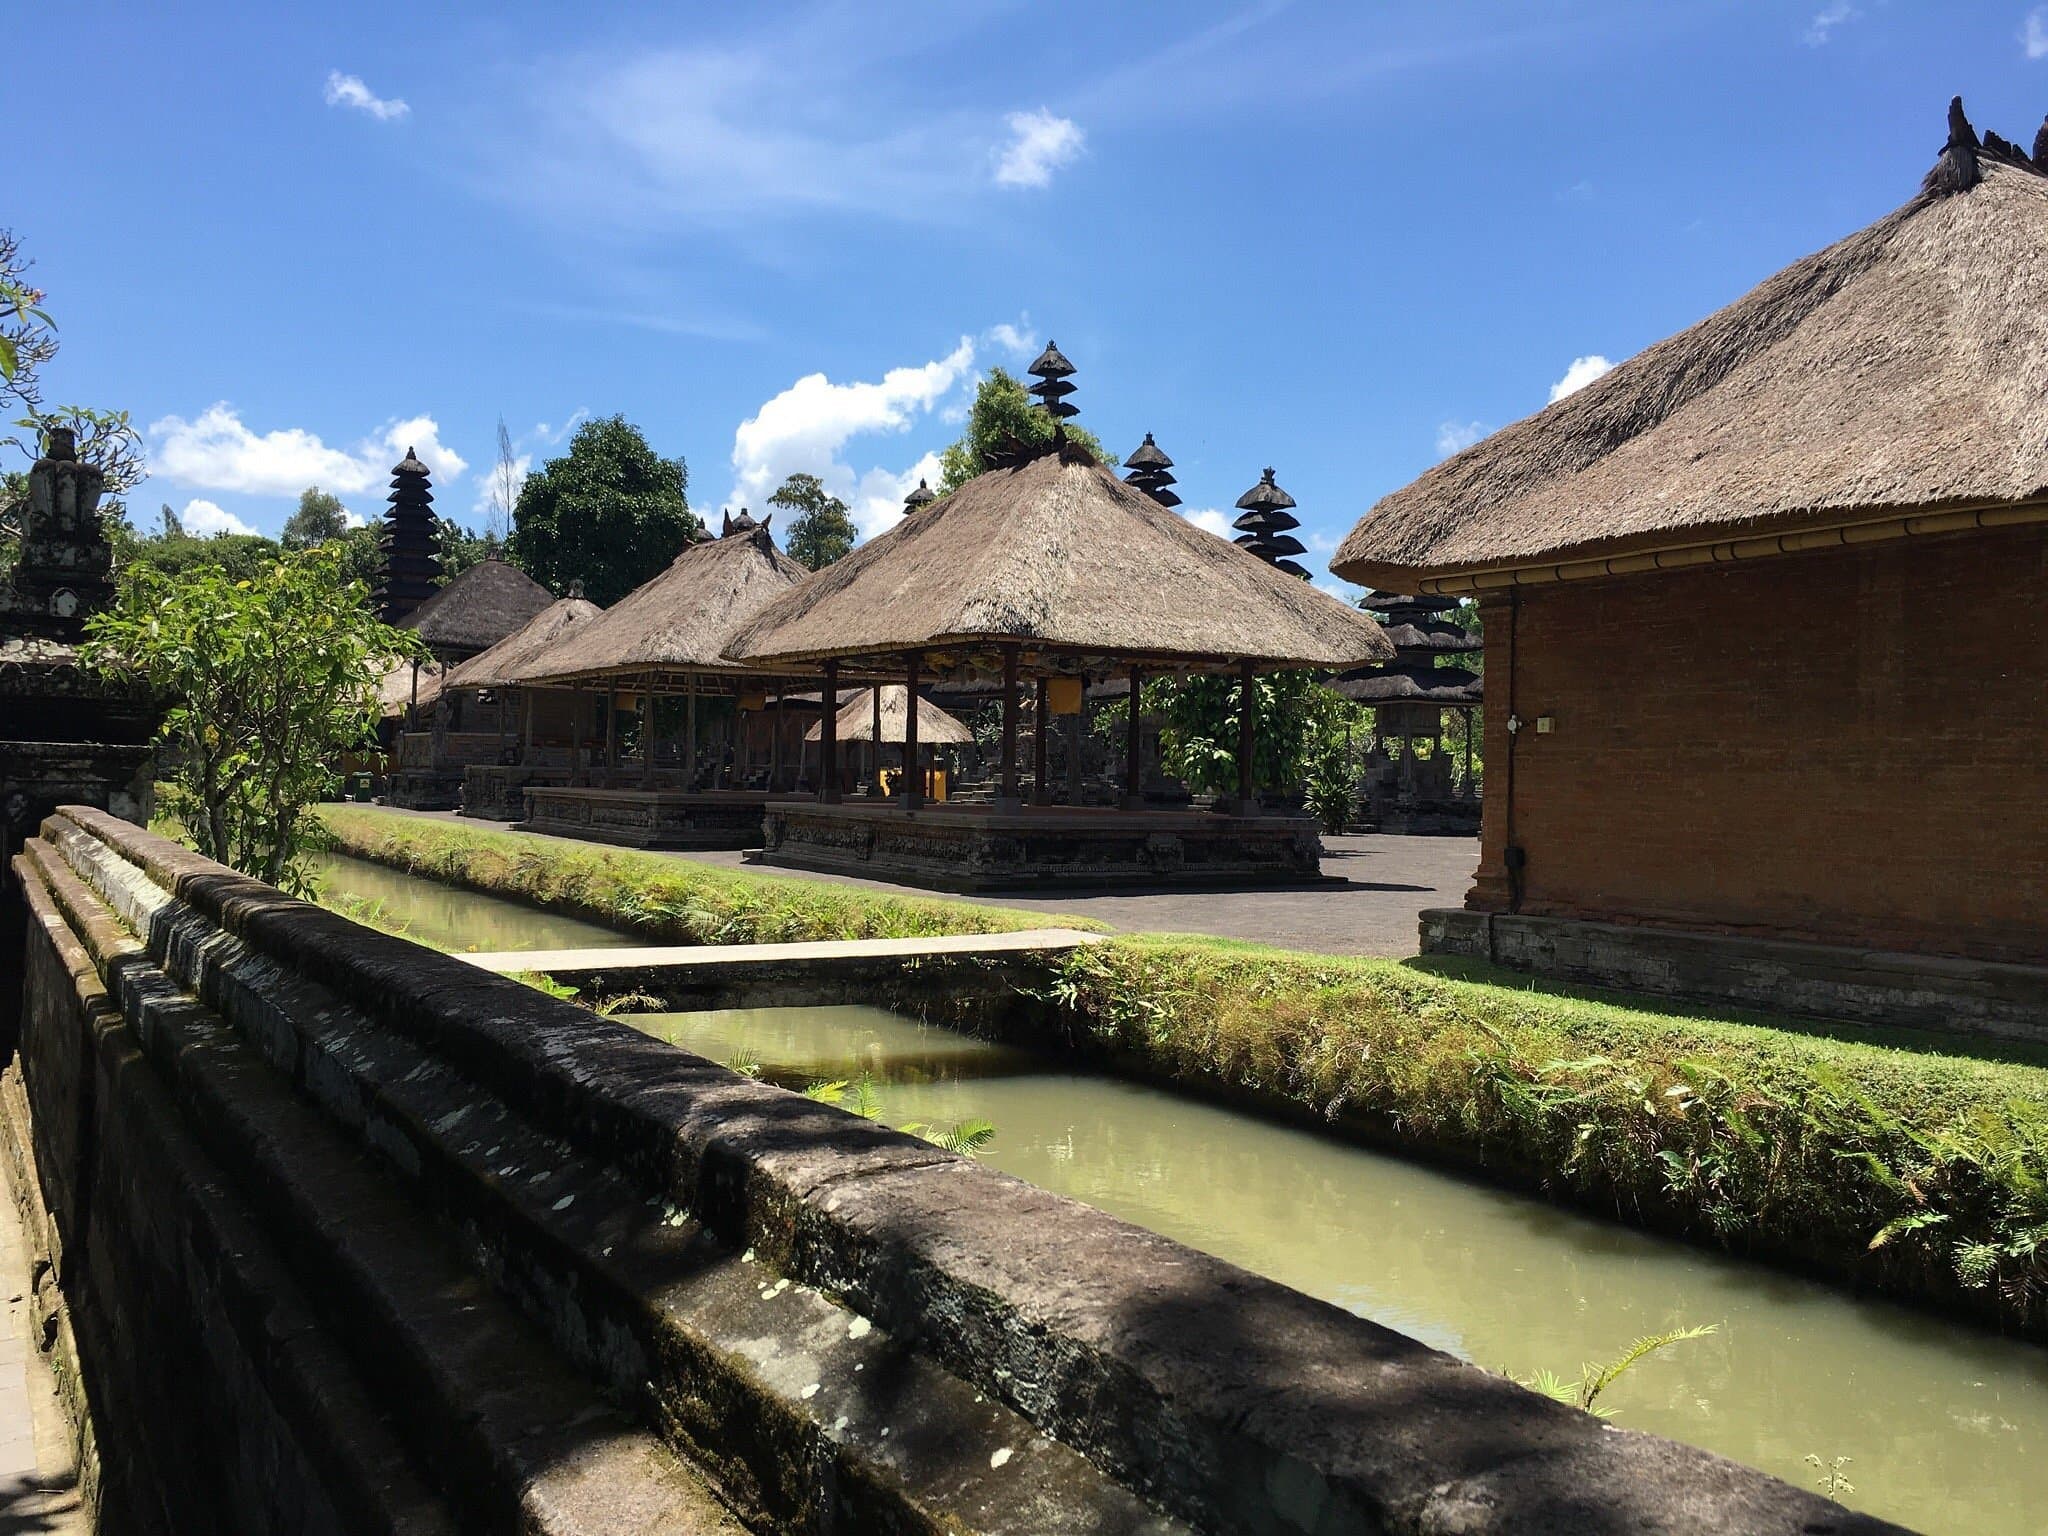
(913, 770)
(1006, 784)
(828, 735)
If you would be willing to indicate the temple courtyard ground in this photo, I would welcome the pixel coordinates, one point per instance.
(1374, 886)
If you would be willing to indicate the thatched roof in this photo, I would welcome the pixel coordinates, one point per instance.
(682, 620)
(935, 728)
(537, 639)
(478, 608)
(1059, 554)
(395, 688)
(1904, 368)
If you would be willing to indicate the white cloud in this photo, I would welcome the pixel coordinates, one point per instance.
(350, 518)
(1019, 340)
(1040, 144)
(349, 91)
(217, 452)
(205, 518)
(1822, 27)
(1209, 518)
(1583, 371)
(2034, 35)
(804, 428)
(1456, 436)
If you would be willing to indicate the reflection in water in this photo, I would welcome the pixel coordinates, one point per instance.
(1936, 1420)
(447, 918)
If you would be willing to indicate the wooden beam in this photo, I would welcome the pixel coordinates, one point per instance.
(828, 736)
(1006, 784)
(913, 772)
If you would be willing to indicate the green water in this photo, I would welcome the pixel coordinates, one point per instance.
(447, 918)
(1937, 1420)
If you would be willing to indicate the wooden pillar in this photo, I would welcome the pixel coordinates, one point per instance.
(1006, 782)
(875, 740)
(913, 770)
(1038, 743)
(690, 729)
(828, 735)
(775, 740)
(611, 727)
(1134, 773)
(647, 733)
(412, 709)
(1247, 698)
(526, 728)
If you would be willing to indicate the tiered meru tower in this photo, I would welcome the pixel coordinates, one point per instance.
(412, 559)
(1265, 526)
(1151, 472)
(1409, 784)
(1052, 370)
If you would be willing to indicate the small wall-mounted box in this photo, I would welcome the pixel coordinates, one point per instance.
(1545, 724)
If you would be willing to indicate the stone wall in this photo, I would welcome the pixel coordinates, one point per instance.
(1843, 746)
(351, 1237)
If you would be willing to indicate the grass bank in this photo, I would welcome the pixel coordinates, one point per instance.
(668, 900)
(1913, 1172)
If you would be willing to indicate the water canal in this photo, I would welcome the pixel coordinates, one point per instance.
(1939, 1422)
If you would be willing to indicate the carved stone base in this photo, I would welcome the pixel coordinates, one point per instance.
(648, 818)
(497, 791)
(983, 848)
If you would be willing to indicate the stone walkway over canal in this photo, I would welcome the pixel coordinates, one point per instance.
(1375, 887)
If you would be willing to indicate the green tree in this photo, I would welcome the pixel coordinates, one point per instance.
(460, 547)
(611, 512)
(1302, 734)
(1004, 414)
(319, 519)
(819, 531)
(268, 679)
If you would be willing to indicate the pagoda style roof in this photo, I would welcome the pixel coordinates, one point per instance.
(683, 619)
(533, 641)
(856, 721)
(1448, 686)
(1901, 371)
(478, 608)
(1058, 554)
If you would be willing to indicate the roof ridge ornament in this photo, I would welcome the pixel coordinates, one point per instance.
(920, 498)
(1052, 370)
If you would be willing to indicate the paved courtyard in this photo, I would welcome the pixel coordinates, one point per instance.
(1379, 885)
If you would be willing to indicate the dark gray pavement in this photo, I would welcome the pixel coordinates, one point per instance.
(1375, 887)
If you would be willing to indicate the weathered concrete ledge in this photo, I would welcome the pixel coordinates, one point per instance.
(1865, 986)
(905, 974)
(650, 1212)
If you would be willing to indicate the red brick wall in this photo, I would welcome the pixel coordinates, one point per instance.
(1849, 745)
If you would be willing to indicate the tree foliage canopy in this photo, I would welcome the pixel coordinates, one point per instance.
(820, 529)
(268, 678)
(1003, 414)
(320, 517)
(610, 512)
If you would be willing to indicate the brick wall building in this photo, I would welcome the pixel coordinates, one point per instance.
(1766, 615)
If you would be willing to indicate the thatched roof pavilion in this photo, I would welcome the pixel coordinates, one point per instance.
(505, 664)
(1901, 370)
(1081, 570)
(680, 623)
(477, 609)
(861, 715)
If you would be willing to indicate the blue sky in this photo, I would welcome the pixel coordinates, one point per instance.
(1340, 239)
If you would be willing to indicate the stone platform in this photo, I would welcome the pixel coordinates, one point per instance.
(648, 818)
(972, 848)
(497, 791)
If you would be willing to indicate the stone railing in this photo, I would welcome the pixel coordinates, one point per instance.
(349, 1235)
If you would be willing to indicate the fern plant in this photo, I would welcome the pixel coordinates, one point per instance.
(1594, 1379)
